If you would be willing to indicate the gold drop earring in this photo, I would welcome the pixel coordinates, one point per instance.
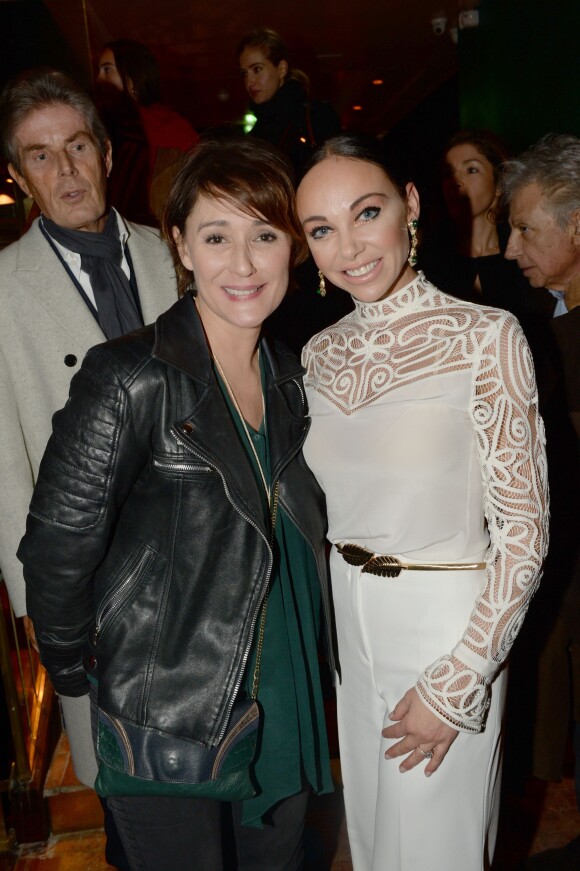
(412, 227)
(321, 289)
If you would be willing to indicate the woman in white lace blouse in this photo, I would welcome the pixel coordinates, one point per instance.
(427, 441)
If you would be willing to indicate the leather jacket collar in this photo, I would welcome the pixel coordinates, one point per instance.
(179, 329)
(208, 432)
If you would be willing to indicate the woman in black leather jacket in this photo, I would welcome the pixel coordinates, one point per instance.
(148, 551)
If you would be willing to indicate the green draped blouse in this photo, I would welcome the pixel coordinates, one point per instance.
(292, 744)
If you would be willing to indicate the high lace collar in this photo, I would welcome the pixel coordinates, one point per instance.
(415, 295)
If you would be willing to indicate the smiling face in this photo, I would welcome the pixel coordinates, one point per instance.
(261, 77)
(356, 226)
(547, 254)
(62, 168)
(240, 264)
(469, 179)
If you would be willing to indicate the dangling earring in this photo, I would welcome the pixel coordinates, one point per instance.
(321, 289)
(412, 225)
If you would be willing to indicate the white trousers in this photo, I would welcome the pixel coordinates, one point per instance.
(389, 630)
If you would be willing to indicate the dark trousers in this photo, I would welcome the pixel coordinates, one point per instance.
(185, 834)
(114, 850)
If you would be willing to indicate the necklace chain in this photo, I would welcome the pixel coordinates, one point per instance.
(232, 396)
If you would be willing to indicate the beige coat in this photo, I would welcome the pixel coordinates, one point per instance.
(43, 322)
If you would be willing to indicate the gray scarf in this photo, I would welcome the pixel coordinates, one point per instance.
(101, 257)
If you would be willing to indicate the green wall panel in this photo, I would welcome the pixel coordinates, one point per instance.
(520, 69)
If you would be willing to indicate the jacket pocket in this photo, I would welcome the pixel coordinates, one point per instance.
(181, 468)
(133, 572)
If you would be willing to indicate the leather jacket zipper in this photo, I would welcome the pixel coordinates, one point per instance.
(248, 718)
(301, 389)
(249, 520)
(106, 611)
(324, 593)
(180, 467)
(119, 728)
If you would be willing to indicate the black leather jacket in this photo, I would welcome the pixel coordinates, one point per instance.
(146, 554)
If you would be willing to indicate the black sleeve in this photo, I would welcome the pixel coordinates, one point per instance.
(91, 461)
(566, 329)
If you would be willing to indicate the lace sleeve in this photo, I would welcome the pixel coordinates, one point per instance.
(307, 361)
(511, 443)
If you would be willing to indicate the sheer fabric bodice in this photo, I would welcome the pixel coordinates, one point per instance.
(427, 442)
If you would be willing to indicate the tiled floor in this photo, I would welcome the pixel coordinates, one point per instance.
(544, 816)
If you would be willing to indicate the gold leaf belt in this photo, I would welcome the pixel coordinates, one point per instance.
(392, 566)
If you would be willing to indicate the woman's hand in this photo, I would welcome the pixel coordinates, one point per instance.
(420, 731)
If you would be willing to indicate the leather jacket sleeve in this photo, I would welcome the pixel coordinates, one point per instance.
(90, 463)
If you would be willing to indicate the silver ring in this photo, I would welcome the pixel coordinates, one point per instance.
(427, 754)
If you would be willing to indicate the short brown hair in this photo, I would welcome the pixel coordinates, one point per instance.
(250, 174)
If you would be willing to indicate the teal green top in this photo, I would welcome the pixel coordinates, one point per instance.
(292, 739)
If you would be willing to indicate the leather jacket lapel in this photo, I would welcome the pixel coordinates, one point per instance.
(209, 431)
(285, 410)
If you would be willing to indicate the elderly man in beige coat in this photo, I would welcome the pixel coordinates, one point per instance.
(80, 275)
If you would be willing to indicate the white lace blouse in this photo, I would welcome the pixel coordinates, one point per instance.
(427, 441)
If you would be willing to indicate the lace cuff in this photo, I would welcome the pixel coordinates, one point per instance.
(458, 695)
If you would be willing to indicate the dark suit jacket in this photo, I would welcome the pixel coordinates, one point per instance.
(566, 330)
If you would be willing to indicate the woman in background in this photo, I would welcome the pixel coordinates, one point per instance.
(427, 442)
(287, 117)
(148, 137)
(464, 254)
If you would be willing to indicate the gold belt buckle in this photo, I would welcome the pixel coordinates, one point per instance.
(375, 564)
(391, 567)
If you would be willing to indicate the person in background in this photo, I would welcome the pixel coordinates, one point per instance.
(542, 190)
(79, 275)
(149, 138)
(194, 530)
(279, 98)
(290, 120)
(464, 253)
(427, 442)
